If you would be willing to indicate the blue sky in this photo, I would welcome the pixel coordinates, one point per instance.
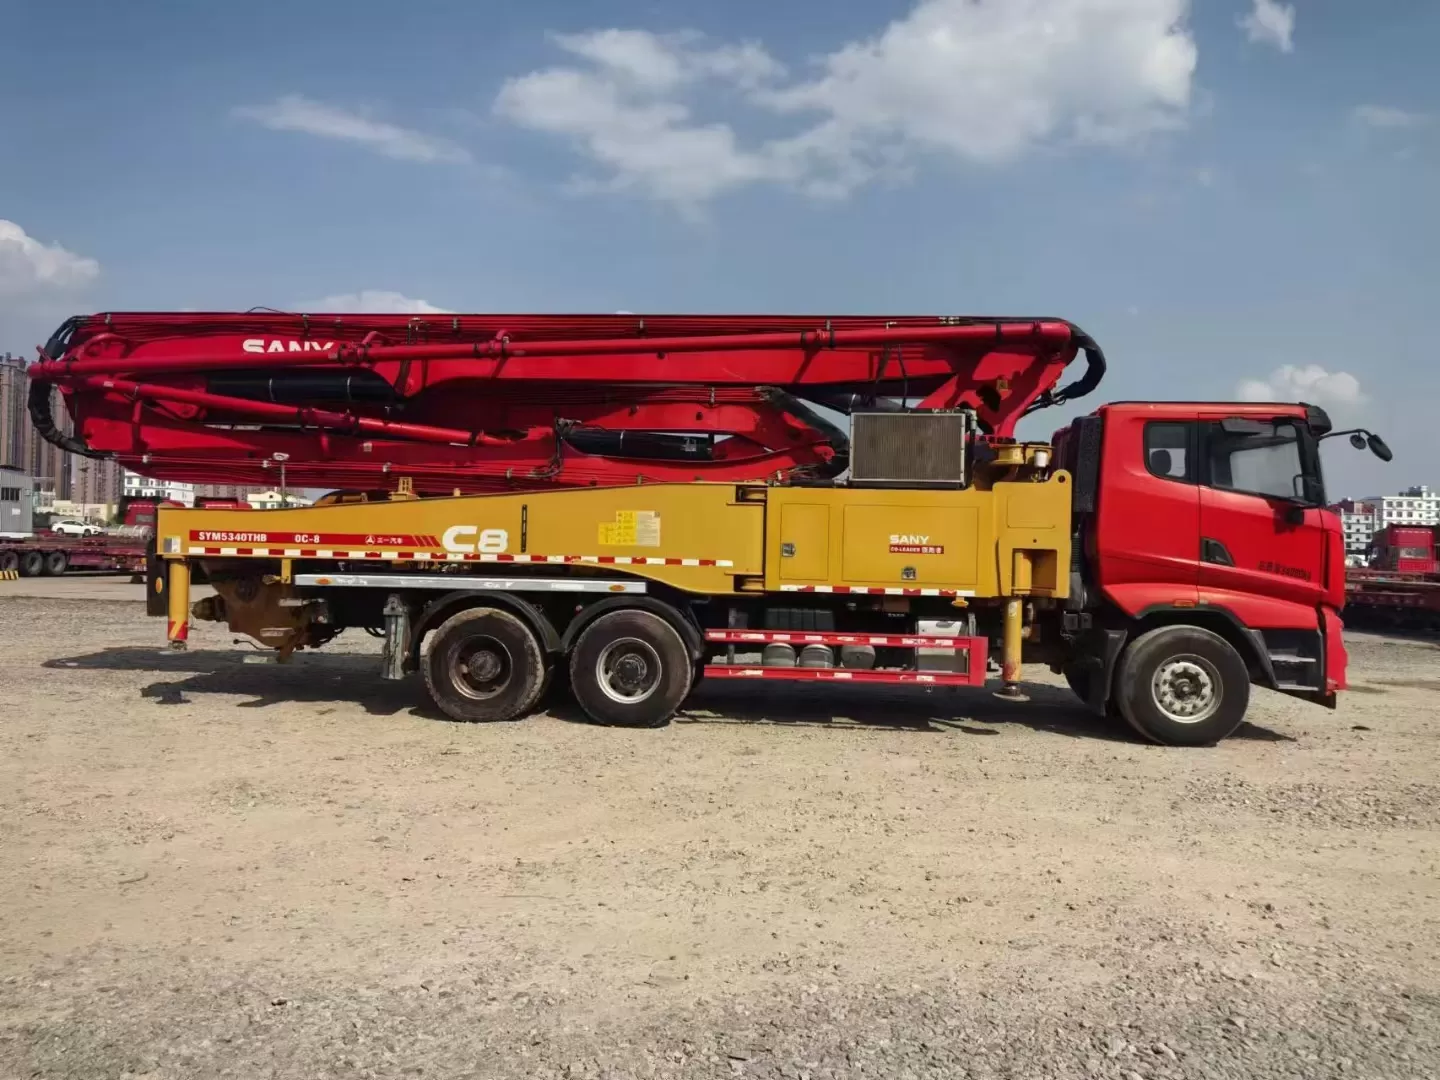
(1232, 196)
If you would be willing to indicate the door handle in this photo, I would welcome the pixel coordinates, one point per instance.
(1213, 551)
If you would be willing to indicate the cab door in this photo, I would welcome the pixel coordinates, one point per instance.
(1144, 541)
(1262, 534)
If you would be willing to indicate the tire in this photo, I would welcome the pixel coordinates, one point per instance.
(1182, 686)
(32, 564)
(56, 563)
(511, 666)
(9, 560)
(630, 669)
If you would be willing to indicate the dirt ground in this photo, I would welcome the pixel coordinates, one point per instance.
(210, 867)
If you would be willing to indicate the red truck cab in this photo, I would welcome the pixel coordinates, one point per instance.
(1208, 522)
(1406, 549)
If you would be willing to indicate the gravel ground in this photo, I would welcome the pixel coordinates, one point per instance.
(217, 868)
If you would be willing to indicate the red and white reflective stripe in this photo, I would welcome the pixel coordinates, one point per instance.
(844, 675)
(851, 590)
(450, 556)
(900, 641)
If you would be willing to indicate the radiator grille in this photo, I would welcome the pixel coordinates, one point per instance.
(908, 448)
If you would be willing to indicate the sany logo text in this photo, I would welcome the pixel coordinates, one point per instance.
(470, 539)
(260, 345)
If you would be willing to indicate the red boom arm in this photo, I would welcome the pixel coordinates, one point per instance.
(496, 402)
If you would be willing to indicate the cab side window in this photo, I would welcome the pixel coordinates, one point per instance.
(1263, 459)
(1168, 454)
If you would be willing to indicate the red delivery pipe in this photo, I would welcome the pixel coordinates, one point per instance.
(316, 418)
(500, 348)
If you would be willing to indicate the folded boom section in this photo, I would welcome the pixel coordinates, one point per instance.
(481, 403)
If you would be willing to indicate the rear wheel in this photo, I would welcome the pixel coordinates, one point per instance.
(484, 664)
(32, 564)
(630, 669)
(9, 560)
(1182, 686)
(56, 563)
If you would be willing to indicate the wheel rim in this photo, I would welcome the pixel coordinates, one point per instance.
(628, 671)
(1186, 689)
(480, 667)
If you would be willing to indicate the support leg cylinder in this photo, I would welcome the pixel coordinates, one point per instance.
(1010, 651)
(178, 611)
(397, 638)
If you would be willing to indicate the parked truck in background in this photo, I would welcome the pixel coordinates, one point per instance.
(1164, 557)
(1400, 588)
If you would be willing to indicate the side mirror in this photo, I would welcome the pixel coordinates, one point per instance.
(1361, 439)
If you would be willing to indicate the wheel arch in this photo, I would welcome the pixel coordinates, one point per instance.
(433, 614)
(683, 623)
(1247, 642)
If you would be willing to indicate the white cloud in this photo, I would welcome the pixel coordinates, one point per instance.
(1310, 383)
(373, 301)
(621, 112)
(1270, 23)
(301, 114)
(28, 266)
(981, 81)
(1387, 116)
(664, 62)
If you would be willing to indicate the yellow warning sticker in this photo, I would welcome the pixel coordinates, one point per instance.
(631, 528)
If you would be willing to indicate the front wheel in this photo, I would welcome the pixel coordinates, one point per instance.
(630, 669)
(1182, 686)
(484, 664)
(56, 563)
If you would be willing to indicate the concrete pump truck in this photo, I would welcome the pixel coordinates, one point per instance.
(637, 503)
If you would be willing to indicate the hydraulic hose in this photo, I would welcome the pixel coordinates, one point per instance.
(1094, 372)
(42, 415)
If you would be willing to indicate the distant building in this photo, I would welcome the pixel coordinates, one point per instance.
(143, 487)
(1359, 524)
(273, 500)
(238, 492)
(58, 476)
(1413, 506)
(95, 482)
(14, 417)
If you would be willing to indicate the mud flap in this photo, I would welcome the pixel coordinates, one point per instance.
(1110, 644)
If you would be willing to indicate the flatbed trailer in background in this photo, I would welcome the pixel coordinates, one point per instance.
(1386, 599)
(120, 550)
(50, 554)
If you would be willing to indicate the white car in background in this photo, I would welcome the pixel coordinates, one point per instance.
(76, 528)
